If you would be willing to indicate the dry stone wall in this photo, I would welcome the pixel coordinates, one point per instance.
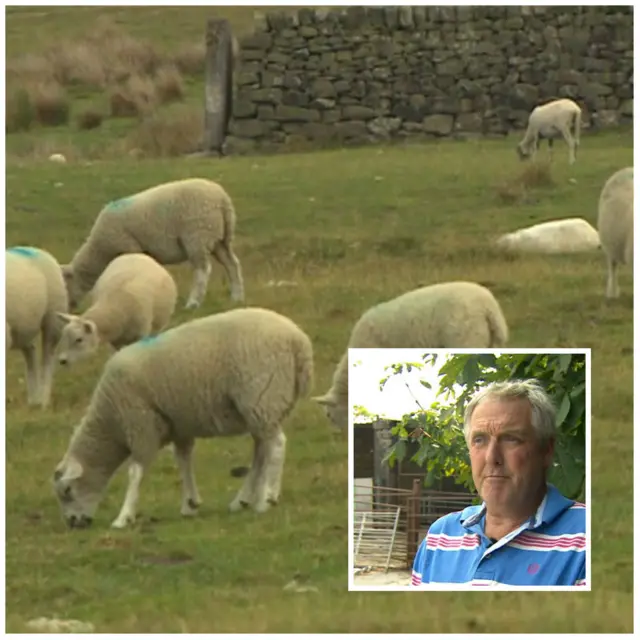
(363, 74)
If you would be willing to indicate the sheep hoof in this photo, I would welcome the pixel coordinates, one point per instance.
(262, 507)
(238, 505)
(192, 304)
(190, 509)
(122, 522)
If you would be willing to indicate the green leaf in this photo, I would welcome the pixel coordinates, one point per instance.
(563, 410)
(426, 384)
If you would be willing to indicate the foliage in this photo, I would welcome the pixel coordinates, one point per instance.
(437, 430)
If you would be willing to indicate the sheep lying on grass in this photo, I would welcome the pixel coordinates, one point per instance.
(559, 117)
(133, 298)
(227, 374)
(569, 235)
(449, 314)
(615, 225)
(35, 293)
(186, 220)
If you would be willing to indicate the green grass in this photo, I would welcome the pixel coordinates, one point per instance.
(352, 228)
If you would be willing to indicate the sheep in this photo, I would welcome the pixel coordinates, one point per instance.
(549, 120)
(185, 220)
(227, 374)
(133, 298)
(35, 293)
(448, 314)
(568, 235)
(615, 225)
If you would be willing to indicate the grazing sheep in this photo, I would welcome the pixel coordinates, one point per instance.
(132, 299)
(569, 235)
(615, 225)
(559, 117)
(227, 374)
(449, 314)
(35, 293)
(186, 220)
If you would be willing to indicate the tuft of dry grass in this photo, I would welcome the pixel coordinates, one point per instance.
(172, 133)
(136, 97)
(168, 83)
(190, 59)
(46, 103)
(90, 119)
(517, 189)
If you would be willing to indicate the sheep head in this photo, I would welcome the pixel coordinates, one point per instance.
(335, 410)
(79, 338)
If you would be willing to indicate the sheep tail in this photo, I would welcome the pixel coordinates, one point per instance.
(498, 330)
(304, 368)
(229, 219)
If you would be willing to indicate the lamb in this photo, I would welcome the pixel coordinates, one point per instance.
(448, 314)
(549, 120)
(35, 293)
(221, 375)
(568, 235)
(132, 299)
(185, 220)
(615, 225)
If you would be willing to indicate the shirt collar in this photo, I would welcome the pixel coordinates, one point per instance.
(553, 504)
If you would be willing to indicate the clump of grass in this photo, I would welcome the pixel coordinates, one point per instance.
(168, 83)
(136, 97)
(90, 119)
(171, 133)
(190, 59)
(45, 103)
(534, 175)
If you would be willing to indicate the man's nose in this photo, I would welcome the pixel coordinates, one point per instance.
(494, 454)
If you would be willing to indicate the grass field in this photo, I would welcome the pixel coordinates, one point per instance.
(350, 228)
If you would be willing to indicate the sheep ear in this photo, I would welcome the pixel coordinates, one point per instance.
(89, 327)
(324, 400)
(64, 317)
(72, 470)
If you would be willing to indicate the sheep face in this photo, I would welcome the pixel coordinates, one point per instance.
(335, 411)
(523, 153)
(75, 291)
(79, 338)
(77, 495)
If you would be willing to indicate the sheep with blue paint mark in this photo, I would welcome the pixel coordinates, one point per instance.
(447, 314)
(186, 220)
(133, 298)
(615, 225)
(242, 371)
(35, 294)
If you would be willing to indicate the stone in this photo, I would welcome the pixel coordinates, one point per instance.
(440, 124)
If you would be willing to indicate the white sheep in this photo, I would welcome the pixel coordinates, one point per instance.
(558, 117)
(448, 314)
(615, 225)
(186, 220)
(568, 235)
(221, 375)
(35, 293)
(133, 298)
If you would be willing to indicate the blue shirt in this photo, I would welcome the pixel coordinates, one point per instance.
(546, 550)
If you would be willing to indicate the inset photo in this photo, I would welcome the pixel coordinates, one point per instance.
(469, 469)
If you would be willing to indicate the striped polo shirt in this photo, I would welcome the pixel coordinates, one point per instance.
(546, 550)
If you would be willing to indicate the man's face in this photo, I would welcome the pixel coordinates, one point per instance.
(508, 462)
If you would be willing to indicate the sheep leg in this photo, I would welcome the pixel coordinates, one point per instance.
(33, 379)
(224, 254)
(190, 496)
(275, 464)
(566, 134)
(201, 273)
(247, 493)
(48, 364)
(127, 514)
(612, 279)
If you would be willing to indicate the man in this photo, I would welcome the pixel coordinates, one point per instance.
(525, 532)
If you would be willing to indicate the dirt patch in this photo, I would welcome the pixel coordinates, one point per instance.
(393, 577)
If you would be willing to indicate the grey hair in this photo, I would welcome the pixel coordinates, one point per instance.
(543, 411)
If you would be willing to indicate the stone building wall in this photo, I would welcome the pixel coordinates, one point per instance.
(363, 74)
